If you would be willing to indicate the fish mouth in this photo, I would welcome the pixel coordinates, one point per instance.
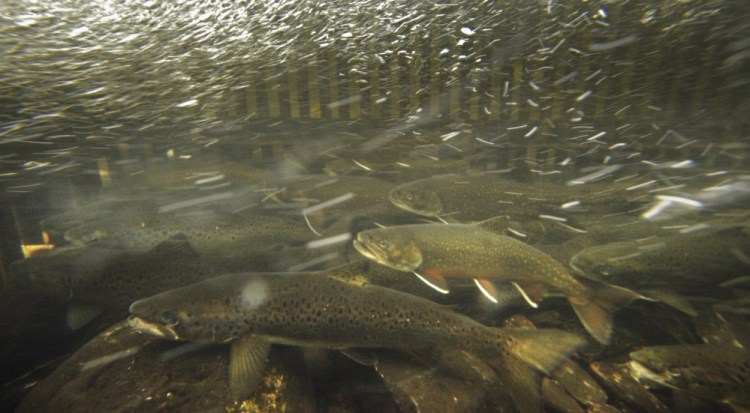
(372, 251)
(396, 200)
(156, 329)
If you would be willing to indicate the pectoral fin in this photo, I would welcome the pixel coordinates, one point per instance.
(80, 314)
(671, 299)
(246, 362)
(487, 288)
(435, 281)
(314, 222)
(525, 296)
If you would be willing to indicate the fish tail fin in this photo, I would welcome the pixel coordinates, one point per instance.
(595, 308)
(543, 349)
(526, 353)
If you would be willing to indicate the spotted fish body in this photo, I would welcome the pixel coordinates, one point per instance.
(483, 196)
(312, 309)
(208, 232)
(99, 277)
(459, 250)
(438, 251)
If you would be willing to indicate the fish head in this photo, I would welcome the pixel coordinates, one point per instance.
(204, 312)
(420, 201)
(393, 247)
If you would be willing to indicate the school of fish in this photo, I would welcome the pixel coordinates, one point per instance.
(251, 277)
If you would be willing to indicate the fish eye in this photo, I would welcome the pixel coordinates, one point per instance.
(169, 319)
(383, 244)
(409, 196)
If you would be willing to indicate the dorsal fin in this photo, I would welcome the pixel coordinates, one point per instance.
(176, 245)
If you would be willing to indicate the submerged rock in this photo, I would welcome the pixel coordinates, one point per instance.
(121, 370)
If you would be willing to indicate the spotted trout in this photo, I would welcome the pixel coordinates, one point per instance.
(254, 310)
(99, 278)
(481, 196)
(209, 232)
(436, 251)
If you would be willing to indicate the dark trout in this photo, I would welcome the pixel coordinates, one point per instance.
(99, 278)
(209, 232)
(254, 310)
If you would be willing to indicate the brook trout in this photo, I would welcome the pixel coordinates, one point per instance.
(436, 251)
(482, 196)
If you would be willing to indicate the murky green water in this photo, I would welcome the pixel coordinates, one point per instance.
(440, 178)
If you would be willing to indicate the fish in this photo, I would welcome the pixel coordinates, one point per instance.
(55, 226)
(476, 197)
(713, 372)
(402, 170)
(185, 174)
(325, 200)
(435, 251)
(685, 262)
(209, 232)
(252, 311)
(99, 278)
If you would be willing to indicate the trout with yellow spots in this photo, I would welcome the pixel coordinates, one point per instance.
(434, 252)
